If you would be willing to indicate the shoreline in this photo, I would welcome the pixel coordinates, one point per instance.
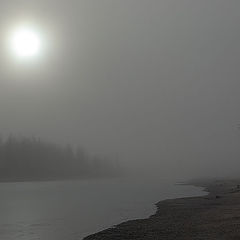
(214, 216)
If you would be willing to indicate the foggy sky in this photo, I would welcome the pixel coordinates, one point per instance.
(155, 82)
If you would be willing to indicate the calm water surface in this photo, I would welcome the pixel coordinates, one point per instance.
(70, 210)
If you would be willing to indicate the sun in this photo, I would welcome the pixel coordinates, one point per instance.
(25, 42)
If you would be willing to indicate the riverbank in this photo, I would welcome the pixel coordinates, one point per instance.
(215, 216)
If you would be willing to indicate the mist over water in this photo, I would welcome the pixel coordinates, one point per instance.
(73, 209)
(150, 85)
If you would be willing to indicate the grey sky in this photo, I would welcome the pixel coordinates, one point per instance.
(156, 81)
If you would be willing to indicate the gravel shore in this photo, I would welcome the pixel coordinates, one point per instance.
(215, 216)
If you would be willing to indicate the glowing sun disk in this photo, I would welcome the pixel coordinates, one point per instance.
(25, 42)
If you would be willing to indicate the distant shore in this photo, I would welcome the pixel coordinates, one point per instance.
(215, 216)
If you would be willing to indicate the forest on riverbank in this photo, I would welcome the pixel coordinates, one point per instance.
(28, 159)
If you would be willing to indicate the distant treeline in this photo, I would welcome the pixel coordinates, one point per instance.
(23, 159)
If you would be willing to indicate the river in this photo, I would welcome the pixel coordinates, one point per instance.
(70, 210)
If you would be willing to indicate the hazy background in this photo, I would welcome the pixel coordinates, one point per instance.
(155, 82)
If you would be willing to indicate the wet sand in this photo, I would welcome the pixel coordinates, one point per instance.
(215, 216)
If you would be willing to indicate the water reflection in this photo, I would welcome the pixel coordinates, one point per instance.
(73, 209)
